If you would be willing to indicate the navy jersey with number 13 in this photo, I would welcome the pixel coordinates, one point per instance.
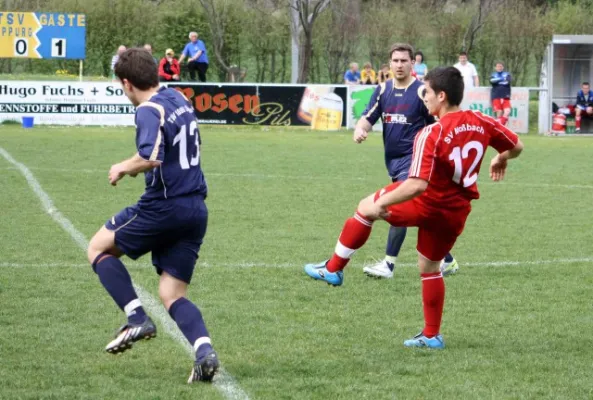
(167, 131)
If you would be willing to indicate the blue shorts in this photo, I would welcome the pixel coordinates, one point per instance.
(398, 168)
(172, 229)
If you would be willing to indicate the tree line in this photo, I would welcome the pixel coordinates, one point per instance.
(265, 37)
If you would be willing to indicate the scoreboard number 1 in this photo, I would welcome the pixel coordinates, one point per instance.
(58, 47)
(21, 47)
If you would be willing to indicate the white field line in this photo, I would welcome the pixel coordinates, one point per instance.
(463, 264)
(225, 383)
(313, 178)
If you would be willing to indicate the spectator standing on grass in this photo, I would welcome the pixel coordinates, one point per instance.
(468, 71)
(114, 59)
(169, 69)
(352, 76)
(368, 76)
(197, 55)
(419, 66)
(501, 93)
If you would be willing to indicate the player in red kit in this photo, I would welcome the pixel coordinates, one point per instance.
(436, 197)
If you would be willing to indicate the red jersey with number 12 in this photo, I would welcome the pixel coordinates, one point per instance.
(449, 153)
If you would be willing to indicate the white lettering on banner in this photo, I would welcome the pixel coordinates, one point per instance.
(66, 103)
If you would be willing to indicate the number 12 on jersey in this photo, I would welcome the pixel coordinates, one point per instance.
(181, 138)
(458, 155)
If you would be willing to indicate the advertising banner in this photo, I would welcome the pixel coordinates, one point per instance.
(479, 99)
(474, 99)
(66, 103)
(359, 97)
(319, 106)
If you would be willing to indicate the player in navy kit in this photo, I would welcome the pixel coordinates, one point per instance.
(399, 103)
(170, 218)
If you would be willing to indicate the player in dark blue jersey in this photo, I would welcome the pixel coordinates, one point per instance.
(170, 218)
(400, 105)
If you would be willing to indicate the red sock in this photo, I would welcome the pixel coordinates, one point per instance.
(577, 122)
(354, 235)
(433, 299)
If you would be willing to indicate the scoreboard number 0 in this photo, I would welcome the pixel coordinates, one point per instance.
(21, 47)
(58, 47)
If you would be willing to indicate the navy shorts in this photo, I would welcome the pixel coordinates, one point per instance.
(172, 230)
(399, 168)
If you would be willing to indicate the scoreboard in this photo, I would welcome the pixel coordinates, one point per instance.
(42, 35)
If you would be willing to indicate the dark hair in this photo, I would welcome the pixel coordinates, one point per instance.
(403, 47)
(463, 53)
(448, 80)
(585, 83)
(138, 67)
(419, 53)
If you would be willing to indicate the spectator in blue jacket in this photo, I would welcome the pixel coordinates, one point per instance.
(197, 55)
(352, 76)
(501, 93)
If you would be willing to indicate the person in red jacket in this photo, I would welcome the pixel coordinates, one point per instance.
(169, 67)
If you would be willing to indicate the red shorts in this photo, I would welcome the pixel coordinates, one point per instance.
(438, 229)
(500, 104)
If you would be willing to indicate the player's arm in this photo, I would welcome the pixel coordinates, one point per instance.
(370, 116)
(149, 141)
(495, 79)
(410, 188)
(506, 143)
(581, 101)
(419, 175)
(476, 78)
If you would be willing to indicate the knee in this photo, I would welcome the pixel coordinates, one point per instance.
(168, 296)
(93, 251)
(365, 206)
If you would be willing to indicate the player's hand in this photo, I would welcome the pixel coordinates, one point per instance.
(377, 211)
(116, 172)
(589, 110)
(360, 135)
(498, 167)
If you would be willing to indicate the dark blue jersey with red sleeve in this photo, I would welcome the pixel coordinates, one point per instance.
(403, 114)
(167, 131)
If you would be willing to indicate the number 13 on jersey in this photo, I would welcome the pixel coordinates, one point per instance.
(181, 139)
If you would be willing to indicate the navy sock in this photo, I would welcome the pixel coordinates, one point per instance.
(116, 280)
(189, 319)
(448, 258)
(395, 240)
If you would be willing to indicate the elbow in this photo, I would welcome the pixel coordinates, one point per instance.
(419, 187)
(518, 147)
(154, 164)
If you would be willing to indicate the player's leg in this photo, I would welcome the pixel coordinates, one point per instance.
(497, 108)
(578, 118)
(354, 235)
(433, 300)
(175, 263)
(187, 316)
(436, 237)
(103, 254)
(398, 171)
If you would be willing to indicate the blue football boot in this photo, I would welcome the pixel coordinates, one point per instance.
(319, 272)
(420, 340)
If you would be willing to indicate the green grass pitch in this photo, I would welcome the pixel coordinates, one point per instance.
(517, 320)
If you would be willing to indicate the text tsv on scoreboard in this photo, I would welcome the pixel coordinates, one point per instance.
(42, 35)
